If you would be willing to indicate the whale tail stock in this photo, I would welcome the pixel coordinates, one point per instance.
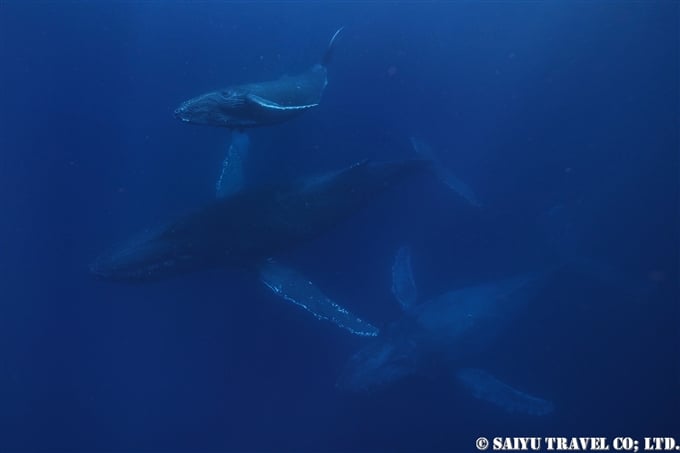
(330, 50)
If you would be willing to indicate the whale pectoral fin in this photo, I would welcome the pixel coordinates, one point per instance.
(444, 174)
(403, 286)
(295, 288)
(273, 106)
(486, 387)
(231, 179)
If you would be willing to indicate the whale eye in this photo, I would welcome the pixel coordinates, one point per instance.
(231, 99)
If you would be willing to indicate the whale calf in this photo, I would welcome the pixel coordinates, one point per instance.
(261, 103)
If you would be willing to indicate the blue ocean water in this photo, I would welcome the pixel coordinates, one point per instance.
(562, 117)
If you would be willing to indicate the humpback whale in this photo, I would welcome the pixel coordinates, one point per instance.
(249, 227)
(446, 331)
(260, 103)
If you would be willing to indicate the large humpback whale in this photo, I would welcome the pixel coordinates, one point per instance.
(261, 103)
(447, 331)
(249, 227)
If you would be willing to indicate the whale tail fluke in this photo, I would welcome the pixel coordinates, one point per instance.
(330, 50)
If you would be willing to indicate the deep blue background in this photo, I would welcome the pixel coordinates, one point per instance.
(532, 104)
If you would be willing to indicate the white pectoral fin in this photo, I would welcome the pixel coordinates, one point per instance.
(486, 387)
(294, 287)
(268, 104)
(458, 186)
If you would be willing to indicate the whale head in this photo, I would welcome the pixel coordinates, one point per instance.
(146, 257)
(217, 108)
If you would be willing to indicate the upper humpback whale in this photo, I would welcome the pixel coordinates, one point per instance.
(249, 227)
(261, 103)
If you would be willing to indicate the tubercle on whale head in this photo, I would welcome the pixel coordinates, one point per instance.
(216, 108)
(181, 114)
(195, 110)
